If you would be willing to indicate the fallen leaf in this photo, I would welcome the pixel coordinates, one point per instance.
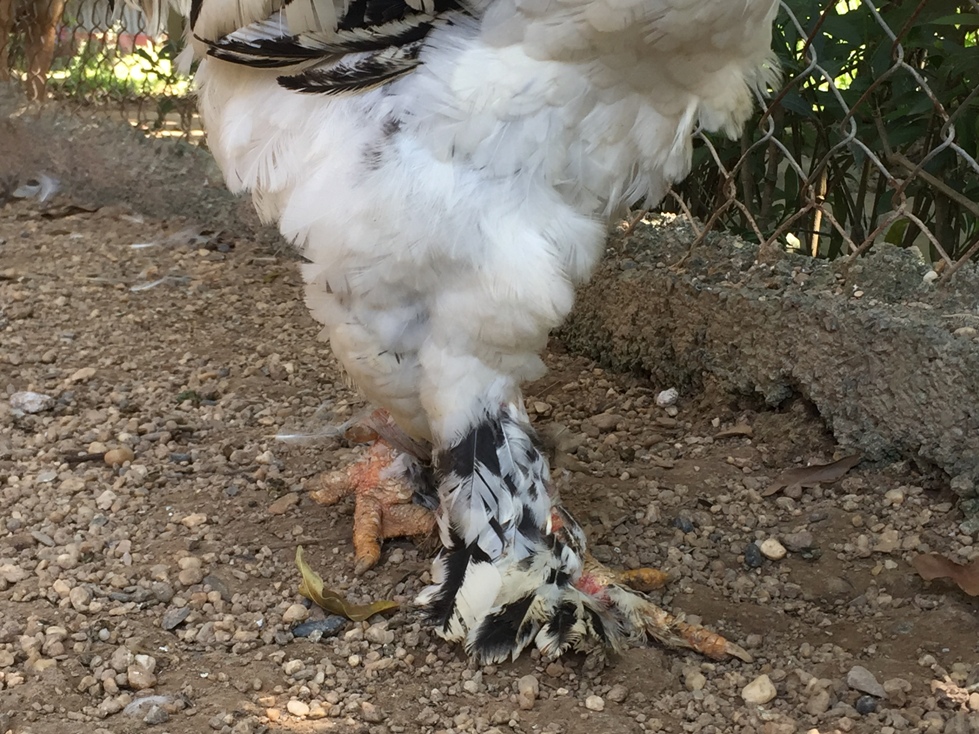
(934, 566)
(312, 588)
(809, 476)
(741, 429)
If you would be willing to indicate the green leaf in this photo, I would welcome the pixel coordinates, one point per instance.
(895, 233)
(958, 19)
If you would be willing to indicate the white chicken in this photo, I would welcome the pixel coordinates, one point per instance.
(449, 169)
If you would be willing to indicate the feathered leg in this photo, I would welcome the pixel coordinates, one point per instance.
(515, 570)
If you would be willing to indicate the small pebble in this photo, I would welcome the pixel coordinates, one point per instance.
(156, 715)
(752, 556)
(190, 576)
(379, 634)
(12, 574)
(866, 705)
(80, 598)
(162, 591)
(617, 693)
(174, 616)
(283, 504)
(371, 713)
(861, 679)
(194, 520)
(319, 628)
(555, 669)
(772, 549)
(896, 691)
(667, 397)
(595, 703)
(528, 688)
(606, 421)
(760, 691)
(685, 524)
(140, 677)
(694, 680)
(298, 708)
(894, 496)
(800, 541)
(291, 667)
(118, 456)
(82, 375)
(30, 402)
(295, 613)
(818, 703)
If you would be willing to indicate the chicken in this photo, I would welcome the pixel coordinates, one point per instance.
(449, 170)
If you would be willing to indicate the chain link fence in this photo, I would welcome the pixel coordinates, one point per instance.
(872, 137)
(101, 54)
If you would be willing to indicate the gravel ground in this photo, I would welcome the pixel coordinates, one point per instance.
(149, 520)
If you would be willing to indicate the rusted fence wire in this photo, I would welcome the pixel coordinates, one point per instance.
(871, 138)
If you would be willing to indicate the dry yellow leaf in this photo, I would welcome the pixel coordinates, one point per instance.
(934, 566)
(313, 589)
(810, 476)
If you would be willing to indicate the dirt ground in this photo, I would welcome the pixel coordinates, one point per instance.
(160, 593)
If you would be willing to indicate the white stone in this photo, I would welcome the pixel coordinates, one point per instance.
(760, 691)
(894, 496)
(528, 688)
(297, 708)
(30, 402)
(772, 549)
(595, 703)
(295, 613)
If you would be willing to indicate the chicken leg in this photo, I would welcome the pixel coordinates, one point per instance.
(389, 492)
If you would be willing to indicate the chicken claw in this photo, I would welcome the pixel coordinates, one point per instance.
(644, 579)
(647, 619)
(383, 506)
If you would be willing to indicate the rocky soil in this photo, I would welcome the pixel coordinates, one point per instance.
(149, 516)
(878, 345)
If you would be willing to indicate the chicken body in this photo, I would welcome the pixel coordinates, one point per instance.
(449, 189)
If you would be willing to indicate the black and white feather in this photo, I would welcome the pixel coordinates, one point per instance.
(353, 47)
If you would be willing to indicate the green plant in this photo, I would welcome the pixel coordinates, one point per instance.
(98, 72)
(876, 141)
